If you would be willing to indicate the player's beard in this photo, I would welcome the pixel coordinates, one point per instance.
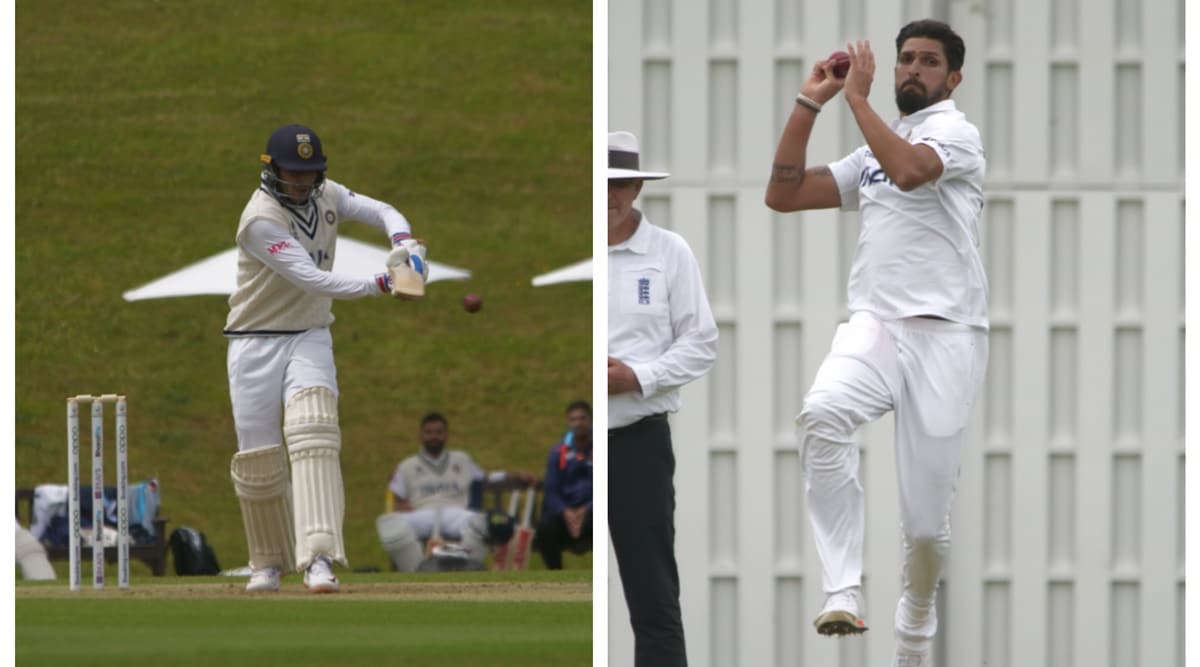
(434, 447)
(911, 99)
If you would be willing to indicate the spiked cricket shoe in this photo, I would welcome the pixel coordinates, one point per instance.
(842, 614)
(319, 577)
(264, 580)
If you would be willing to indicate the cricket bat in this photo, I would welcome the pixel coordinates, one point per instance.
(435, 540)
(524, 537)
(500, 557)
(406, 283)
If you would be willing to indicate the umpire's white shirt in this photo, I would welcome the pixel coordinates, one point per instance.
(918, 251)
(659, 321)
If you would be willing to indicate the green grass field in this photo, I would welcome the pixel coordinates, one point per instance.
(138, 129)
(454, 619)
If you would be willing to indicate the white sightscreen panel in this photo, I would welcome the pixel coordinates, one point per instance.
(998, 119)
(722, 118)
(723, 510)
(1064, 120)
(1060, 636)
(656, 24)
(789, 22)
(723, 628)
(790, 515)
(1124, 633)
(997, 535)
(788, 369)
(1064, 25)
(788, 251)
(655, 140)
(1130, 251)
(789, 615)
(1000, 25)
(1062, 514)
(996, 621)
(1128, 121)
(723, 24)
(1126, 513)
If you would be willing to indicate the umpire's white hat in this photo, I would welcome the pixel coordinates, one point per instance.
(623, 158)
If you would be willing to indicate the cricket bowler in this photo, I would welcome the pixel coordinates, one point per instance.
(916, 340)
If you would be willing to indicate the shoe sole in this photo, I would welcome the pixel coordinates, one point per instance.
(839, 624)
(322, 588)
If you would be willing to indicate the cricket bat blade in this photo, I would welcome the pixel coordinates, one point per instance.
(406, 283)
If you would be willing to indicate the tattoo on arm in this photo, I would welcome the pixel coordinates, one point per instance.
(787, 173)
(791, 173)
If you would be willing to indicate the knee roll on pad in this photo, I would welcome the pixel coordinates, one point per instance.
(314, 440)
(400, 541)
(260, 479)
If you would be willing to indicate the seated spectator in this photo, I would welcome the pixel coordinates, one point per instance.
(437, 487)
(566, 522)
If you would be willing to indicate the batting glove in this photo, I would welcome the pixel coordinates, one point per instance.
(411, 252)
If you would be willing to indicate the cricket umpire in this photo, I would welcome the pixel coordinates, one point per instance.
(280, 357)
(661, 336)
(916, 339)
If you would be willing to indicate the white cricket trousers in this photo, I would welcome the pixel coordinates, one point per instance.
(266, 371)
(929, 372)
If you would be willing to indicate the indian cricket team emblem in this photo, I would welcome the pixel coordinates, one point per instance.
(329, 217)
(643, 291)
(304, 148)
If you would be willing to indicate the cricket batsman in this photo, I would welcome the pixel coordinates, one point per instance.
(916, 341)
(280, 357)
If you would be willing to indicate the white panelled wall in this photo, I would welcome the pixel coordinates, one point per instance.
(1068, 524)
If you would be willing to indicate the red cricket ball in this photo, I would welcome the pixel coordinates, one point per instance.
(841, 63)
(472, 303)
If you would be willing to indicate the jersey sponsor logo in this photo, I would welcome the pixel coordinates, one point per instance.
(276, 247)
(643, 291)
(439, 488)
(871, 176)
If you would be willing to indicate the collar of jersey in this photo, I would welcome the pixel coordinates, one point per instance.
(639, 242)
(913, 120)
(441, 460)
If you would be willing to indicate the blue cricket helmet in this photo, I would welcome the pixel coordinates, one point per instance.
(294, 148)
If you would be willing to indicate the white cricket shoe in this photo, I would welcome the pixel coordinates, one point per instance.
(905, 658)
(319, 577)
(842, 614)
(264, 580)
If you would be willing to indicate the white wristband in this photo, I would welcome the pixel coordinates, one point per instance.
(809, 102)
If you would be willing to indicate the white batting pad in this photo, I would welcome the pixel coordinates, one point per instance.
(310, 427)
(474, 534)
(399, 540)
(31, 557)
(260, 478)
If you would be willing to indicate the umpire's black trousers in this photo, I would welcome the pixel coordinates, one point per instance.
(641, 524)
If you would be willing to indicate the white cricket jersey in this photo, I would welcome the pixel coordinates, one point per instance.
(429, 482)
(659, 321)
(918, 251)
(285, 256)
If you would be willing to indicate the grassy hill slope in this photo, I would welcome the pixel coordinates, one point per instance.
(138, 128)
